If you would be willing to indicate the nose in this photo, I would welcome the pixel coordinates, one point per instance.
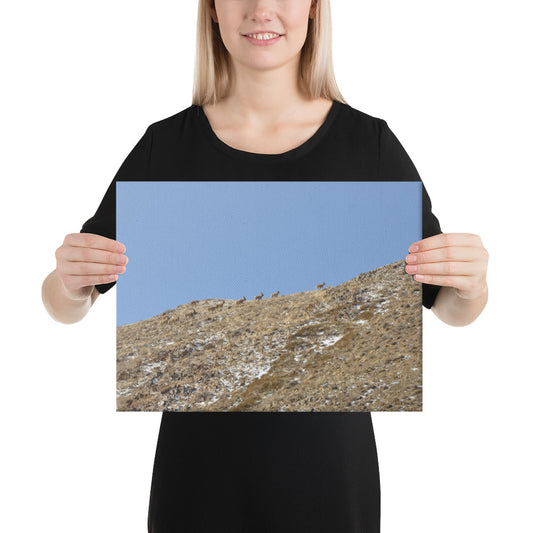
(261, 10)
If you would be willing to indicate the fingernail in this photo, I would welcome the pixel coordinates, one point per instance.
(413, 248)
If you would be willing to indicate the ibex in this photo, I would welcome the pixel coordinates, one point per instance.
(320, 285)
(259, 296)
(274, 294)
(241, 300)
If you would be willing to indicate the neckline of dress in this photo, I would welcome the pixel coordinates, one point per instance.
(298, 151)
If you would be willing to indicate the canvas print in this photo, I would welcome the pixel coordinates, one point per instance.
(268, 296)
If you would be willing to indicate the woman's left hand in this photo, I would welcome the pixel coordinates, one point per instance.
(457, 260)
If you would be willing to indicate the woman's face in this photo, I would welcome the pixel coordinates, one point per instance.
(238, 18)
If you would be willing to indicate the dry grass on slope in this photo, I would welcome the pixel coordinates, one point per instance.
(353, 347)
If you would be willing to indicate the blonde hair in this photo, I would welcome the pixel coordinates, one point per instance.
(212, 71)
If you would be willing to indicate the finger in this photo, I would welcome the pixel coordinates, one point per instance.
(91, 255)
(92, 240)
(447, 268)
(450, 253)
(77, 282)
(463, 283)
(79, 268)
(443, 240)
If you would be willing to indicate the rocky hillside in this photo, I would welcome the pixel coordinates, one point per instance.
(353, 347)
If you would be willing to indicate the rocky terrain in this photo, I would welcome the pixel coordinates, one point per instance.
(356, 346)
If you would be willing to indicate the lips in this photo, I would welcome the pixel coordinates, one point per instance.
(256, 32)
(266, 38)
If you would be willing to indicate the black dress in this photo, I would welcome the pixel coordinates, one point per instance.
(281, 472)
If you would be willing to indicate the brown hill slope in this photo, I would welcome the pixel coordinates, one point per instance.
(353, 347)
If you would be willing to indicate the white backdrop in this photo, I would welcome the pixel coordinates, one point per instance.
(83, 80)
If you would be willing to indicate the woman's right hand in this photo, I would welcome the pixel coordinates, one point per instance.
(85, 260)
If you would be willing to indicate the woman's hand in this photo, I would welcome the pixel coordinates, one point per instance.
(457, 260)
(85, 260)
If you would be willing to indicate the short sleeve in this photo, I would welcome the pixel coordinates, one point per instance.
(395, 164)
(136, 167)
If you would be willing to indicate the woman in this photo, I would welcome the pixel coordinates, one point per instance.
(266, 107)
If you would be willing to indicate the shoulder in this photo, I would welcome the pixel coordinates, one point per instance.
(355, 118)
(174, 137)
(176, 122)
(367, 133)
(377, 131)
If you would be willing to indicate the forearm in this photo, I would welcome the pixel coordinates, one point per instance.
(59, 306)
(457, 311)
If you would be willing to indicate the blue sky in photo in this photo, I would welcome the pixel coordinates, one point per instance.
(193, 240)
